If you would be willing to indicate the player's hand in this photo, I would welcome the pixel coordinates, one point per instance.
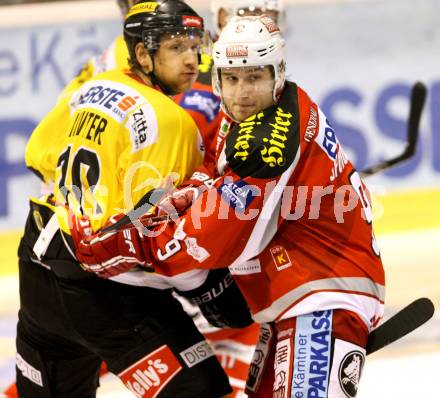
(178, 201)
(108, 254)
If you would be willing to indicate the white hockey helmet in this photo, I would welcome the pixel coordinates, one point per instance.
(238, 7)
(250, 41)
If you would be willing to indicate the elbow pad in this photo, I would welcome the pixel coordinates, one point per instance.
(220, 300)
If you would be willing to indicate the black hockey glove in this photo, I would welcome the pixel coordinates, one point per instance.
(220, 300)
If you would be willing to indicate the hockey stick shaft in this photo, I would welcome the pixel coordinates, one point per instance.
(150, 199)
(404, 322)
(417, 102)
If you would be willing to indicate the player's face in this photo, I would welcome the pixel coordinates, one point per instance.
(246, 91)
(176, 61)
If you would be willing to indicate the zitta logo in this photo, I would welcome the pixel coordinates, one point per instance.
(127, 236)
(350, 372)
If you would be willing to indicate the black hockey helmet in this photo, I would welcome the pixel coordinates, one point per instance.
(147, 21)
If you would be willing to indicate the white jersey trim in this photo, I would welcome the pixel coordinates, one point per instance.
(360, 295)
(267, 224)
(185, 281)
(367, 308)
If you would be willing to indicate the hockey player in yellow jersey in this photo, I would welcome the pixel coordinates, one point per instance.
(125, 132)
(123, 136)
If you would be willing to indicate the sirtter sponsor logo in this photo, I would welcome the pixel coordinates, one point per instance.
(147, 377)
(274, 150)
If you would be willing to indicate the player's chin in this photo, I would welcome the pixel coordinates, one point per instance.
(179, 87)
(241, 113)
(187, 80)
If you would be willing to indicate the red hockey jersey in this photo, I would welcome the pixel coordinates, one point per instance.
(287, 212)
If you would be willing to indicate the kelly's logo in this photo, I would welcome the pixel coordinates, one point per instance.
(147, 377)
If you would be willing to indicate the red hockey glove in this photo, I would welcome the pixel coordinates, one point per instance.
(111, 253)
(178, 201)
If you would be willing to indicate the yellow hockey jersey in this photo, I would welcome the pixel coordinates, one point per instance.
(111, 142)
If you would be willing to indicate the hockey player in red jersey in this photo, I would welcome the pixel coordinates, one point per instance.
(233, 347)
(286, 211)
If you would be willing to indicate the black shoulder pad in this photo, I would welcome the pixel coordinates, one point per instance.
(36, 172)
(265, 144)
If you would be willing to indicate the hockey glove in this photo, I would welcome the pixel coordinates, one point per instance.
(111, 253)
(220, 300)
(178, 201)
(108, 253)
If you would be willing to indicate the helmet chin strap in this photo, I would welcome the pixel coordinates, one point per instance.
(226, 110)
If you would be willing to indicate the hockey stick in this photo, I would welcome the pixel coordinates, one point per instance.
(150, 199)
(418, 96)
(399, 325)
